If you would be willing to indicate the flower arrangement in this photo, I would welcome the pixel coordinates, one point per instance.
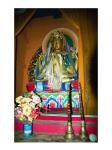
(27, 107)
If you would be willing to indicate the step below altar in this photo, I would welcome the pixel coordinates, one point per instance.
(57, 124)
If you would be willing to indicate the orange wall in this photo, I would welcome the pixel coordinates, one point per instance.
(87, 19)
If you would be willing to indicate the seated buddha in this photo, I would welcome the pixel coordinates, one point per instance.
(57, 65)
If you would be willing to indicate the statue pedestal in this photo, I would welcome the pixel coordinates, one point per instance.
(59, 100)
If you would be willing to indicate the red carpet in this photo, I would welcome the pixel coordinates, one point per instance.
(58, 124)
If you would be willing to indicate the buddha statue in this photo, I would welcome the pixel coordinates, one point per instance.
(57, 65)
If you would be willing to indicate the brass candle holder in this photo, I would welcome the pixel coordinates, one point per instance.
(69, 135)
(83, 132)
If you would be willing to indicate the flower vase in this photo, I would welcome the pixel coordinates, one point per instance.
(27, 129)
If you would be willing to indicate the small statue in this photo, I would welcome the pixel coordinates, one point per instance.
(57, 65)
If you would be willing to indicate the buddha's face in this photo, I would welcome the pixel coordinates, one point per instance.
(57, 45)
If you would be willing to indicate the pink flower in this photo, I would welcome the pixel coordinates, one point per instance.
(36, 99)
(34, 114)
(18, 112)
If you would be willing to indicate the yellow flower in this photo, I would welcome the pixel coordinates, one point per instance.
(21, 117)
(40, 105)
(27, 100)
(18, 99)
(30, 119)
(23, 104)
(26, 110)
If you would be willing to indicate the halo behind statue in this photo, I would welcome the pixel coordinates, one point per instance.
(67, 33)
(72, 40)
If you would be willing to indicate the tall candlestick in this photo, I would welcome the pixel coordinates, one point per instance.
(69, 133)
(83, 132)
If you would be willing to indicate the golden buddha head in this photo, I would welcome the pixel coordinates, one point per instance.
(57, 41)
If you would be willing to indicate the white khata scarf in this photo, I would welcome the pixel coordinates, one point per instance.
(54, 72)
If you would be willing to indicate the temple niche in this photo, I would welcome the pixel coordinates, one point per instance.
(53, 51)
(54, 66)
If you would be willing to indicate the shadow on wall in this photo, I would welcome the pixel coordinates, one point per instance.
(94, 72)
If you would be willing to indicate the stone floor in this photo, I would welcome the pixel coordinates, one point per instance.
(40, 137)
